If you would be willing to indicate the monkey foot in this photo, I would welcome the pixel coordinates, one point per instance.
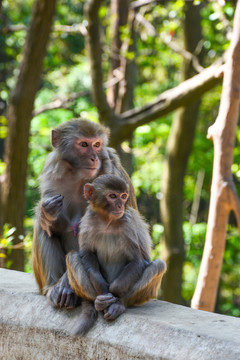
(102, 302)
(60, 297)
(114, 311)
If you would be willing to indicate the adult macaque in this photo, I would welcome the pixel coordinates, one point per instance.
(80, 154)
(113, 267)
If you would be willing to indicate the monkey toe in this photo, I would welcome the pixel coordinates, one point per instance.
(53, 296)
(72, 301)
(114, 311)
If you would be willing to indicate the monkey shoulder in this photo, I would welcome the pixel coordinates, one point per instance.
(138, 228)
(114, 159)
(133, 216)
(112, 154)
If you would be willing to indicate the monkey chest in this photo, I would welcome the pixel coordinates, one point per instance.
(111, 256)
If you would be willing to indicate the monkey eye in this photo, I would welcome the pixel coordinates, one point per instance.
(83, 144)
(112, 196)
(97, 144)
(124, 196)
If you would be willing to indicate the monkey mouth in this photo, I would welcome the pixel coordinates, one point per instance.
(91, 169)
(117, 214)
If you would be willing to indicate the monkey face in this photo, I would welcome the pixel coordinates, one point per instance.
(88, 155)
(116, 204)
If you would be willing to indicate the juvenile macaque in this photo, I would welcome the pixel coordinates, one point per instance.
(80, 154)
(113, 267)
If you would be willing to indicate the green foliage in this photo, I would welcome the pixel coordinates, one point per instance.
(229, 291)
(194, 236)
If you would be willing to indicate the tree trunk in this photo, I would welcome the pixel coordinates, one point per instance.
(125, 90)
(178, 150)
(19, 118)
(223, 192)
(119, 12)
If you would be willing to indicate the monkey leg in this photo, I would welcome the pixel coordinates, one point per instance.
(48, 259)
(49, 269)
(147, 286)
(86, 320)
(78, 277)
(80, 282)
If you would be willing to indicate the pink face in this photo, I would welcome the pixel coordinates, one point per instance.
(89, 150)
(116, 201)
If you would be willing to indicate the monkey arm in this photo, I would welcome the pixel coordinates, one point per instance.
(130, 274)
(91, 265)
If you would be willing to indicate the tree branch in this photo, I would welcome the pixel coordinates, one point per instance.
(183, 94)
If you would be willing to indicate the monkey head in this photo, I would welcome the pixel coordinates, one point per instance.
(82, 144)
(107, 196)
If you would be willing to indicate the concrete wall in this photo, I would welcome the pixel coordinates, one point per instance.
(31, 330)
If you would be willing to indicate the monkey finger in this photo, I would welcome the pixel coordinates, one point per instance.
(74, 301)
(69, 303)
(54, 203)
(63, 299)
(53, 208)
(59, 295)
(52, 199)
(54, 295)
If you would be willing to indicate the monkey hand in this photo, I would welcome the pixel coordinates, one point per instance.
(106, 162)
(52, 206)
(102, 302)
(50, 210)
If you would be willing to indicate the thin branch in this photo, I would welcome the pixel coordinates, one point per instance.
(72, 29)
(139, 3)
(65, 102)
(16, 246)
(60, 103)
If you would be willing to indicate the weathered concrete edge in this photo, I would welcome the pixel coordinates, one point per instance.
(30, 328)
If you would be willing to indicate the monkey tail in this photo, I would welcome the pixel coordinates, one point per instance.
(86, 320)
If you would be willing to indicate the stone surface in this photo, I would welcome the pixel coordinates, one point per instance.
(31, 329)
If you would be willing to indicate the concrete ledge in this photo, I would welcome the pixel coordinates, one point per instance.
(31, 329)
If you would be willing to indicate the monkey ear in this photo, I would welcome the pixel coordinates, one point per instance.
(55, 137)
(88, 191)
